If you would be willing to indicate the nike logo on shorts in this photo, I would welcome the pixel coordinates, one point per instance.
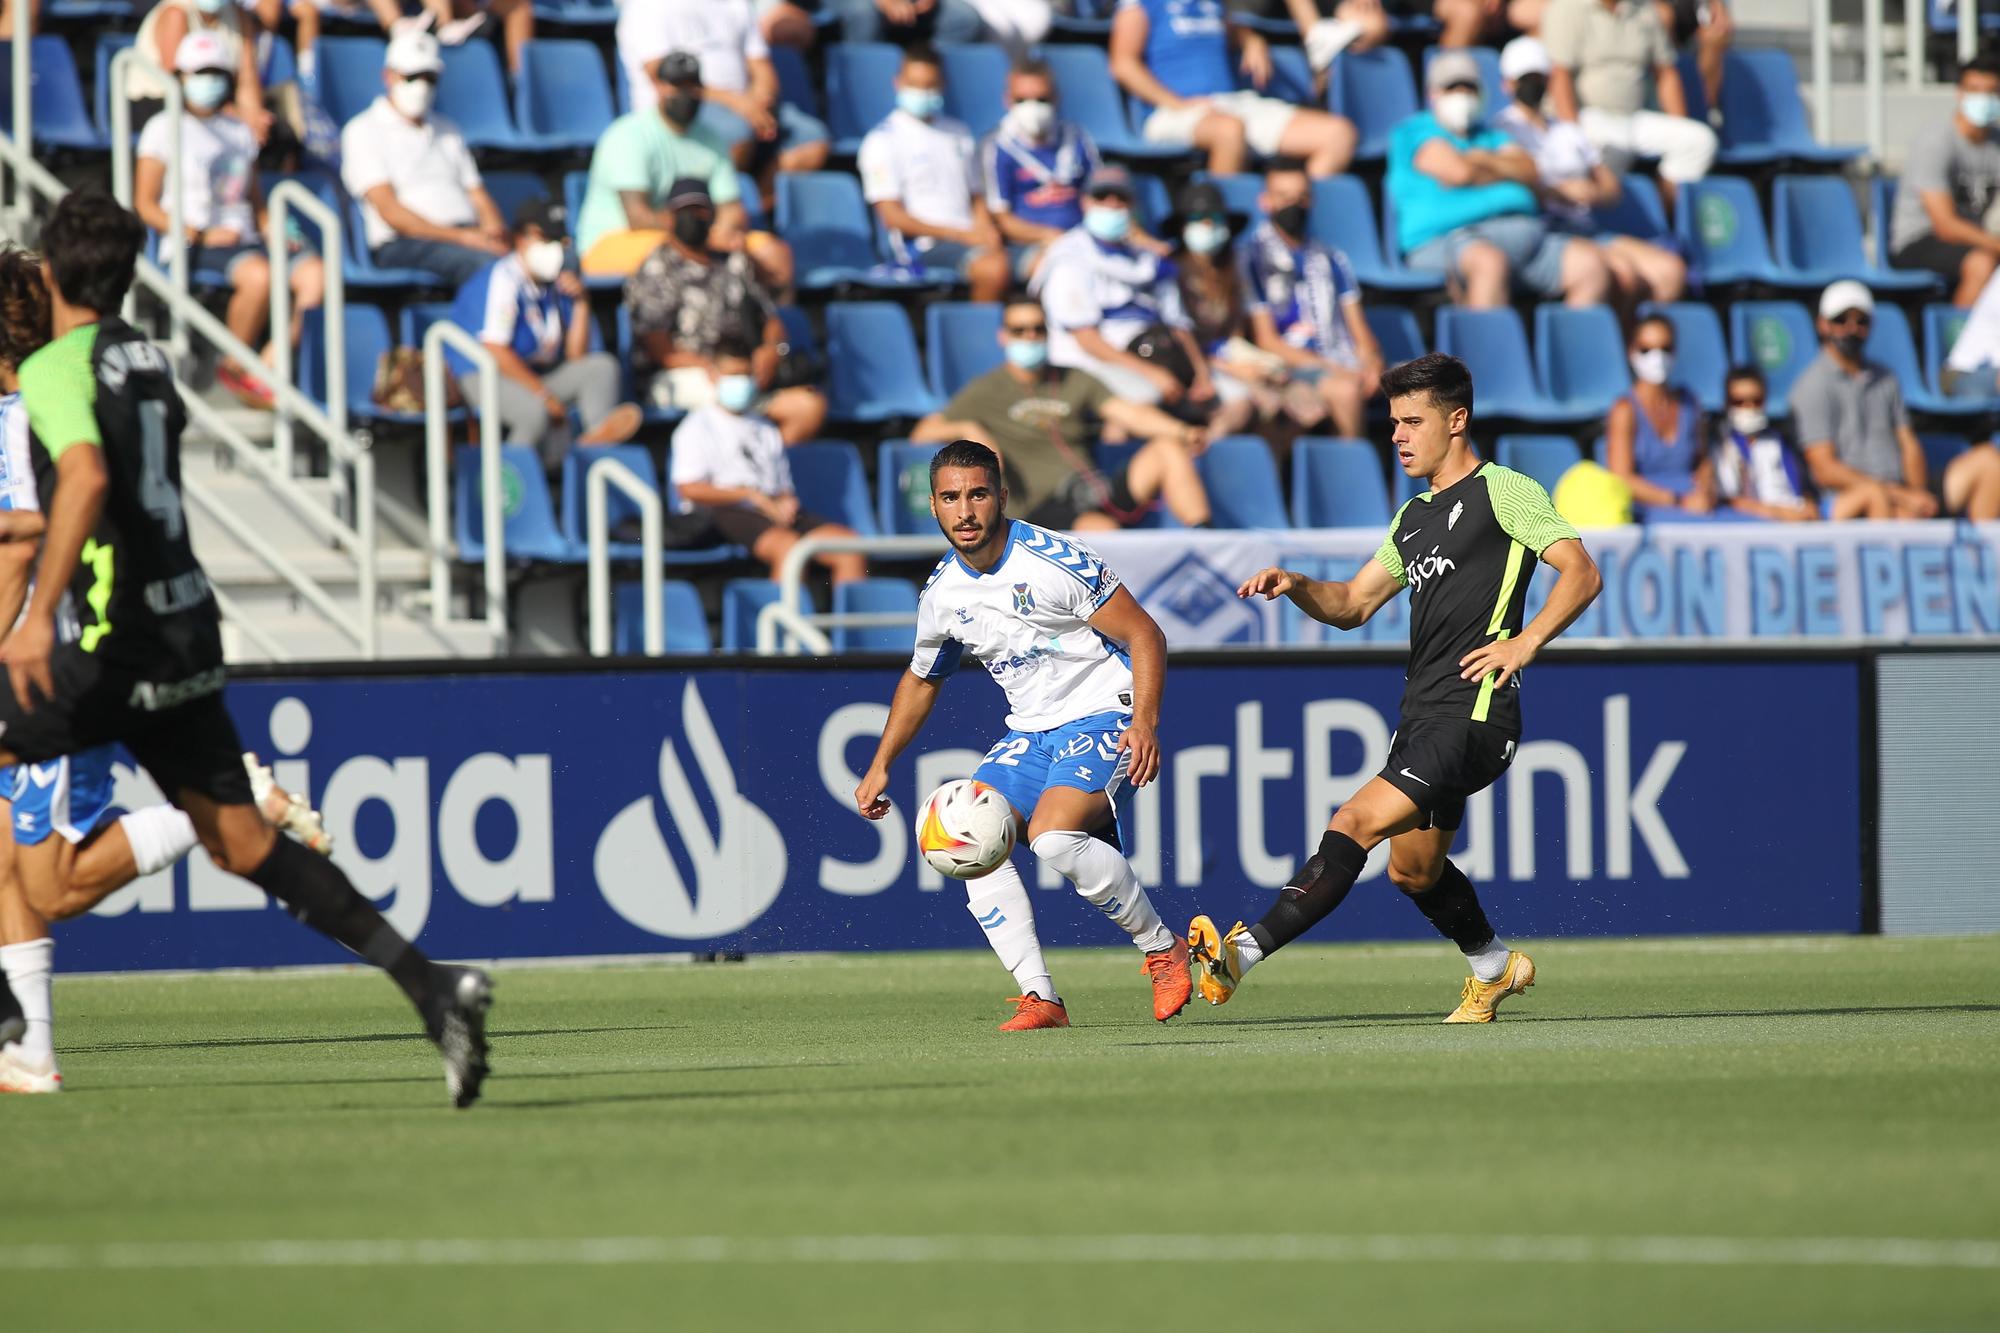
(1413, 777)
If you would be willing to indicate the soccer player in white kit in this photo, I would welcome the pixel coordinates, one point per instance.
(1083, 666)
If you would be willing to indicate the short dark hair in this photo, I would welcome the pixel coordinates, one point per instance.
(1279, 165)
(1747, 370)
(1444, 379)
(1031, 67)
(920, 54)
(24, 306)
(737, 342)
(92, 244)
(965, 453)
(1986, 62)
(1656, 317)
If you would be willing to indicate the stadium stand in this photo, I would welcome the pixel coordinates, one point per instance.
(685, 622)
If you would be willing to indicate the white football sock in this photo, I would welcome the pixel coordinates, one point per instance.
(1248, 954)
(1106, 881)
(160, 835)
(1000, 905)
(28, 967)
(1490, 962)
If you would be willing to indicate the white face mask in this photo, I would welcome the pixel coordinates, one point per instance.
(1747, 421)
(1458, 112)
(206, 90)
(544, 261)
(1653, 365)
(211, 7)
(1205, 237)
(1032, 120)
(412, 98)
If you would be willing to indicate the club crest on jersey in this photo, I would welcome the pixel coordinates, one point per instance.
(964, 615)
(1024, 599)
(1456, 510)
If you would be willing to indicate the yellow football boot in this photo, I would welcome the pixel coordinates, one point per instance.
(1212, 959)
(1480, 998)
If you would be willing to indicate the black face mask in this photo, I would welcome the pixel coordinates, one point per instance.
(1292, 219)
(1530, 89)
(682, 108)
(691, 228)
(1850, 344)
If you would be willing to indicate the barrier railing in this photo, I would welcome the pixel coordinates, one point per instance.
(175, 110)
(603, 475)
(804, 631)
(437, 464)
(278, 205)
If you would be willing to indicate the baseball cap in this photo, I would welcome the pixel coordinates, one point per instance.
(201, 50)
(678, 67)
(1449, 67)
(413, 53)
(545, 214)
(686, 191)
(1108, 180)
(1843, 296)
(1524, 55)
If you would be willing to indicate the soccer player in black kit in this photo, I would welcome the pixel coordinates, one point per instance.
(143, 665)
(1466, 549)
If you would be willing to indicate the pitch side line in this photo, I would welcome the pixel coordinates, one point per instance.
(1660, 1251)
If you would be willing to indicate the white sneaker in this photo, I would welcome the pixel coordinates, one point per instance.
(286, 810)
(20, 1072)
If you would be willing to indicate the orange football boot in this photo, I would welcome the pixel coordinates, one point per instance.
(1032, 1011)
(1172, 983)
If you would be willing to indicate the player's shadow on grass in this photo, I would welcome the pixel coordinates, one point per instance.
(708, 1094)
(1516, 1016)
(402, 1034)
(339, 1080)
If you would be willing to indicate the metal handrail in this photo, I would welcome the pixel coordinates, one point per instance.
(789, 613)
(240, 621)
(260, 546)
(278, 206)
(603, 475)
(121, 177)
(437, 436)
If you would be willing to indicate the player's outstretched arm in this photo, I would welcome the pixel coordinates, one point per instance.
(1343, 605)
(908, 711)
(81, 482)
(1577, 585)
(1123, 619)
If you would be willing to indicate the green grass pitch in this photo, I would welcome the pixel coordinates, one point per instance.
(1708, 1134)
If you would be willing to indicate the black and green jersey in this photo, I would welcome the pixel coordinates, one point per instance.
(1467, 553)
(141, 597)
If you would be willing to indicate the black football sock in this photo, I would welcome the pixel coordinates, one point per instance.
(1313, 893)
(316, 893)
(1454, 909)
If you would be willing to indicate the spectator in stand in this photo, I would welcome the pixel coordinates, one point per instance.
(160, 36)
(1706, 24)
(740, 103)
(1253, 389)
(785, 24)
(1653, 437)
(1466, 207)
(308, 17)
(1972, 365)
(687, 298)
(1485, 22)
(458, 21)
(422, 203)
(1043, 421)
(222, 209)
(1305, 304)
(728, 462)
(1174, 55)
(1757, 470)
(1034, 165)
(1849, 416)
(1602, 51)
(533, 316)
(908, 20)
(920, 171)
(1943, 220)
(1574, 180)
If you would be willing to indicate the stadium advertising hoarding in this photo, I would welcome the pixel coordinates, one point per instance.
(1732, 581)
(593, 811)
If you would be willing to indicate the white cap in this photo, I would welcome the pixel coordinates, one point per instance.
(202, 50)
(414, 53)
(1524, 55)
(1843, 296)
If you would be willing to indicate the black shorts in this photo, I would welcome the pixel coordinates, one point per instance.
(177, 729)
(1928, 252)
(1095, 493)
(1438, 762)
(742, 527)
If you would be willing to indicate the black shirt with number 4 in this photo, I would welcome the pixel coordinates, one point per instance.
(1467, 554)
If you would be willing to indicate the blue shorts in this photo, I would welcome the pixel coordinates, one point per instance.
(1082, 754)
(67, 796)
(795, 127)
(1534, 253)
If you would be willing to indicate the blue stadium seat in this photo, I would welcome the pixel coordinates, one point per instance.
(280, 62)
(898, 596)
(1638, 210)
(1942, 325)
(742, 599)
(108, 45)
(1374, 89)
(1780, 338)
(795, 81)
(686, 624)
(575, 185)
(1940, 449)
(511, 189)
(528, 525)
(1488, 61)
(963, 337)
(1343, 217)
(89, 11)
(415, 319)
(1579, 357)
(350, 74)
(1291, 77)
(1890, 342)
(561, 98)
(902, 488)
(1722, 227)
(1701, 356)
(472, 92)
(830, 229)
(55, 97)
(1240, 193)
(1542, 457)
(829, 479)
(576, 15)
(367, 340)
(875, 370)
(1153, 204)
(1396, 330)
(1495, 345)
(618, 506)
(975, 84)
(860, 90)
(1091, 21)
(1242, 482)
(1816, 236)
(1763, 114)
(1337, 484)
(1091, 98)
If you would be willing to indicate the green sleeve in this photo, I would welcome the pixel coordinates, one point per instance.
(1387, 556)
(60, 391)
(621, 160)
(1525, 511)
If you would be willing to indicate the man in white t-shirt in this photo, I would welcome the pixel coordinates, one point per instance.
(422, 203)
(920, 171)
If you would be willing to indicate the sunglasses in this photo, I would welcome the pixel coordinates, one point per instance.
(1668, 348)
(1027, 330)
(1754, 400)
(1463, 88)
(1852, 319)
(420, 78)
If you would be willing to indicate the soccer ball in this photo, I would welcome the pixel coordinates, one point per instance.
(966, 829)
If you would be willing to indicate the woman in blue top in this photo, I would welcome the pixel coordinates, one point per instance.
(1653, 437)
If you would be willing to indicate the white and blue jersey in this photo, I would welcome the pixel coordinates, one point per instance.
(1187, 45)
(1038, 183)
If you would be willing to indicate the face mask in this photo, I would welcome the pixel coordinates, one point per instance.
(206, 90)
(1291, 219)
(1028, 353)
(1457, 111)
(691, 228)
(1530, 89)
(211, 7)
(1205, 237)
(1032, 120)
(923, 103)
(1850, 344)
(1652, 365)
(682, 108)
(1981, 109)
(413, 97)
(544, 260)
(735, 393)
(1747, 420)
(1107, 224)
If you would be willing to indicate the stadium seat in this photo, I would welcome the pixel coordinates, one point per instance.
(1343, 216)
(576, 15)
(1579, 358)
(108, 45)
(828, 225)
(795, 82)
(472, 92)
(1240, 193)
(1374, 89)
(1940, 448)
(1763, 114)
(1337, 484)
(902, 488)
(367, 340)
(280, 62)
(1701, 356)
(1242, 482)
(685, 623)
(1722, 227)
(415, 319)
(1542, 457)
(876, 596)
(1816, 237)
(561, 98)
(350, 74)
(975, 84)
(618, 507)
(742, 599)
(1638, 211)
(60, 114)
(1779, 337)
(89, 11)
(1488, 60)
(1942, 325)
(860, 90)
(1091, 21)
(1890, 343)
(1495, 345)
(829, 479)
(511, 189)
(529, 522)
(1091, 98)
(1153, 204)
(1291, 77)
(1396, 330)
(963, 337)
(875, 369)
